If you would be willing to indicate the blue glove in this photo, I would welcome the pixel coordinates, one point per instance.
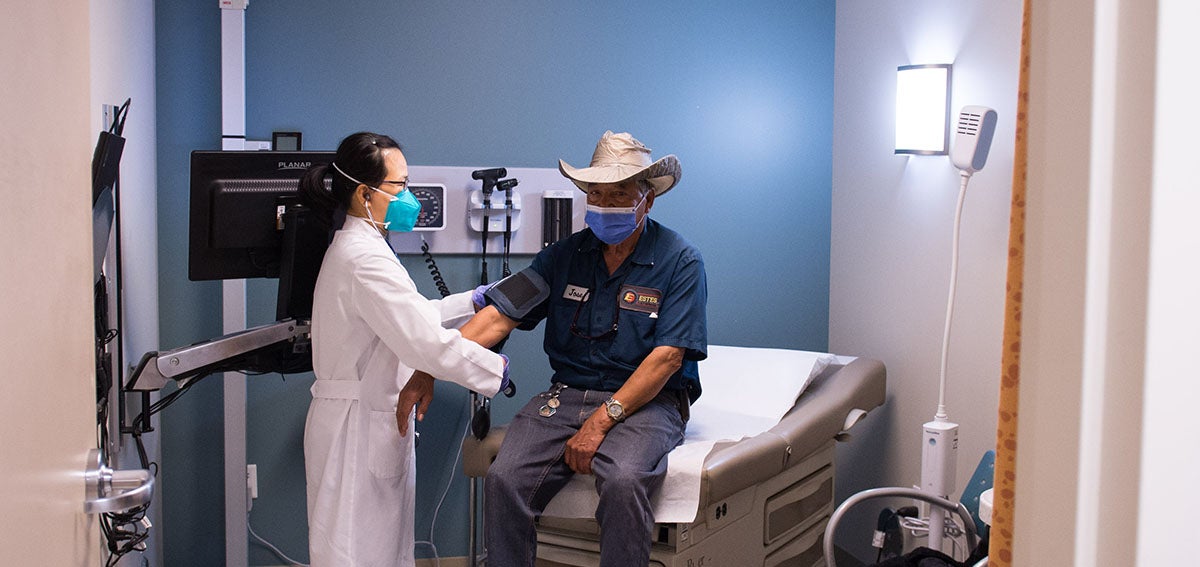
(478, 299)
(504, 376)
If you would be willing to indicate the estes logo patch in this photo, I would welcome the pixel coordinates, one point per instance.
(636, 298)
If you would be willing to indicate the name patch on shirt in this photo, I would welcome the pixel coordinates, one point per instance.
(636, 298)
(575, 293)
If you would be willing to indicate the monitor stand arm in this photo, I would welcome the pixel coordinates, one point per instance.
(156, 369)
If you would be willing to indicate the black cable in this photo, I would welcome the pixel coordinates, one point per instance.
(487, 209)
(433, 269)
(118, 124)
(508, 208)
(118, 128)
(122, 532)
(104, 380)
(166, 401)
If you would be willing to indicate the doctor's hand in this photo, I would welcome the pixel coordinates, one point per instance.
(418, 392)
(477, 297)
(505, 383)
(583, 445)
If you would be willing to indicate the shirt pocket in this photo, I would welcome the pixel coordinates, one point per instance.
(635, 337)
(387, 454)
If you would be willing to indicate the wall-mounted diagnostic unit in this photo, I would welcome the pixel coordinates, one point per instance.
(497, 213)
(526, 210)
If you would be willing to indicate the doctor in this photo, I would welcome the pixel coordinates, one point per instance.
(371, 330)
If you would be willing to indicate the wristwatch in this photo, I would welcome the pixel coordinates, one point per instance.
(614, 409)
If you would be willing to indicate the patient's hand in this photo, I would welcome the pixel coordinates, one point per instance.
(582, 446)
(418, 392)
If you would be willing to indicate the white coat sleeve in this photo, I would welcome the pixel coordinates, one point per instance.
(411, 326)
(456, 309)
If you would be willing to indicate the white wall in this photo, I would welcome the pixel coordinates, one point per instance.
(1170, 454)
(892, 227)
(122, 66)
(1119, 185)
(122, 62)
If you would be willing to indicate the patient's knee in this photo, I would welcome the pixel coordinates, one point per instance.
(620, 483)
(497, 479)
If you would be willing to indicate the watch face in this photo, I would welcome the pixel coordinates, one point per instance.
(615, 409)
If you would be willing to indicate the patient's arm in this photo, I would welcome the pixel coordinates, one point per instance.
(488, 327)
(645, 383)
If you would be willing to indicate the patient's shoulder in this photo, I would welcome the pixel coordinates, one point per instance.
(675, 244)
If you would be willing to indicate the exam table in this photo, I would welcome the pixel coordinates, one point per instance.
(762, 499)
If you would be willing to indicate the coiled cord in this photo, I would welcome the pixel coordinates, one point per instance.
(433, 269)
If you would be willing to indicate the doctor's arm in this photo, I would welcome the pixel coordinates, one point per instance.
(643, 385)
(487, 328)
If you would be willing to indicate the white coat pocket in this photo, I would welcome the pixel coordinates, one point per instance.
(387, 453)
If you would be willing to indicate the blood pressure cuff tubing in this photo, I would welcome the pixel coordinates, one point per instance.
(517, 295)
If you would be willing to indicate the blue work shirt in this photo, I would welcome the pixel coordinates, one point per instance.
(656, 297)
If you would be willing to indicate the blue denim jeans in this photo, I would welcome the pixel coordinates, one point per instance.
(629, 467)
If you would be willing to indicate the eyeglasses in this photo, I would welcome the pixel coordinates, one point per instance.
(621, 197)
(611, 332)
(401, 184)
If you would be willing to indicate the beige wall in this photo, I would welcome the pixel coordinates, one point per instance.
(1055, 275)
(47, 388)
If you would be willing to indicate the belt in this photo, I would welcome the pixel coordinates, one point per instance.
(336, 389)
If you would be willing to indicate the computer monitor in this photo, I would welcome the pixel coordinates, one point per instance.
(246, 221)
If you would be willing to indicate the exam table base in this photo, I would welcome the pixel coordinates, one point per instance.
(778, 522)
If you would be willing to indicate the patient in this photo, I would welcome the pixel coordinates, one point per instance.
(624, 304)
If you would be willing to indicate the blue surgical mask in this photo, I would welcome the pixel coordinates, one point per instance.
(612, 225)
(402, 211)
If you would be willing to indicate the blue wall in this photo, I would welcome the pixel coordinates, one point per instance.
(742, 93)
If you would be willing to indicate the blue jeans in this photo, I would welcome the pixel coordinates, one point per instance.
(629, 467)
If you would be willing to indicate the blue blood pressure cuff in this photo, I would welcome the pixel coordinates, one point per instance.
(517, 295)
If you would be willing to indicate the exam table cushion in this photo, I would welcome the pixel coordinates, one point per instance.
(818, 416)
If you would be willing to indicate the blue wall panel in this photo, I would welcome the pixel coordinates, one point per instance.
(742, 93)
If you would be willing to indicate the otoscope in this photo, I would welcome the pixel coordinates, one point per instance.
(507, 186)
(489, 177)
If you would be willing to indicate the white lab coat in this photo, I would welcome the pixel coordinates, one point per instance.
(370, 329)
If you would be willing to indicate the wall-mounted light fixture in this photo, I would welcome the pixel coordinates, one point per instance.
(923, 109)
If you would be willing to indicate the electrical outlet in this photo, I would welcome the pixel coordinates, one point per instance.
(252, 480)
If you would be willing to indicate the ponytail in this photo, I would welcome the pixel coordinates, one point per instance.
(316, 197)
(359, 155)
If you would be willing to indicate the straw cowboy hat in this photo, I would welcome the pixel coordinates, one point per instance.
(619, 157)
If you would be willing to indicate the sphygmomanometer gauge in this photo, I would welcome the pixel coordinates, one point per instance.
(433, 206)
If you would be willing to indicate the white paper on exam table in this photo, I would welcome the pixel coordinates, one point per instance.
(745, 391)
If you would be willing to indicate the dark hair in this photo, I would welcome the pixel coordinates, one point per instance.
(359, 156)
